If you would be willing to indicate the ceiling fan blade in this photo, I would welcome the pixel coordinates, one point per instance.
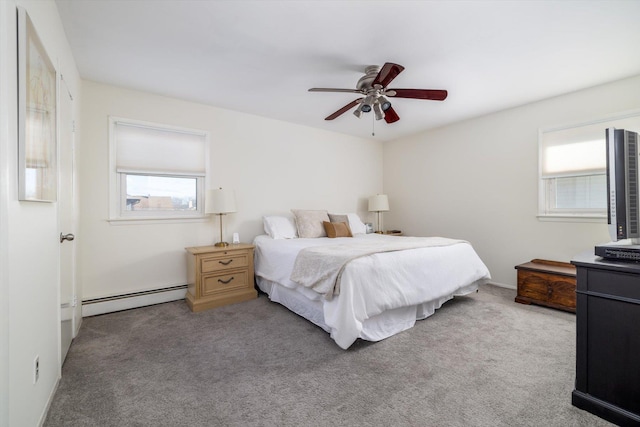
(390, 116)
(343, 109)
(388, 72)
(432, 94)
(324, 89)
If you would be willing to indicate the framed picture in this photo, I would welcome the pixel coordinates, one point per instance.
(37, 101)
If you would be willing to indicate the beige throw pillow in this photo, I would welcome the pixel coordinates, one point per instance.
(309, 223)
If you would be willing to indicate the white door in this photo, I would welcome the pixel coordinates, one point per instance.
(66, 194)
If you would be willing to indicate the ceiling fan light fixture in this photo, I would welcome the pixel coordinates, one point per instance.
(385, 104)
(358, 111)
(377, 110)
(368, 103)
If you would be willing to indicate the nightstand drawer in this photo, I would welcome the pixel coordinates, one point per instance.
(227, 282)
(224, 263)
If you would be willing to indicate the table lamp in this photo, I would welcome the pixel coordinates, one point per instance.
(220, 202)
(378, 203)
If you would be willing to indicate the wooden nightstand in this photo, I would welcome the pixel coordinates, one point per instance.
(219, 276)
(393, 233)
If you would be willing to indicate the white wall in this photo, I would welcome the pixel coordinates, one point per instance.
(29, 249)
(478, 180)
(273, 166)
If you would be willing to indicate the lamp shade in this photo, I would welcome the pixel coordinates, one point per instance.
(220, 201)
(378, 203)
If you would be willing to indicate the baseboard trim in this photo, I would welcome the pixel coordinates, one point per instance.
(503, 285)
(45, 412)
(96, 306)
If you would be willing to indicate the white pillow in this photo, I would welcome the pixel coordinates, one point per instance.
(280, 227)
(356, 225)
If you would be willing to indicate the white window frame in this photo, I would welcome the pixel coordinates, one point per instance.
(118, 213)
(546, 208)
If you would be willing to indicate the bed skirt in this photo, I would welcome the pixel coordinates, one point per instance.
(375, 328)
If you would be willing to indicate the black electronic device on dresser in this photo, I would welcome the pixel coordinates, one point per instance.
(623, 196)
(619, 252)
(608, 339)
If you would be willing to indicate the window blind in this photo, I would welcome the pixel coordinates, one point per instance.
(573, 152)
(579, 150)
(145, 149)
(574, 159)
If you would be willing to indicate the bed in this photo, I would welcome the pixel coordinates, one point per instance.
(379, 294)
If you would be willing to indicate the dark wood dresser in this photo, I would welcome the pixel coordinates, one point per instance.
(608, 339)
(548, 283)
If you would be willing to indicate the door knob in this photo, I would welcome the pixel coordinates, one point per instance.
(68, 237)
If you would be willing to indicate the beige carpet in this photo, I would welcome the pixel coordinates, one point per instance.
(481, 360)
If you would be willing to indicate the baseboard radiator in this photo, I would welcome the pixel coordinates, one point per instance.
(95, 306)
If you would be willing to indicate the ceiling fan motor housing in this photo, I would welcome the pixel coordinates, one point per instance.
(370, 74)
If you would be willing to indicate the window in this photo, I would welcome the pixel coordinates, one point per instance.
(157, 171)
(573, 176)
(153, 193)
(573, 182)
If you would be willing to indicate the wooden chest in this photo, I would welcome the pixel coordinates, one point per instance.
(548, 283)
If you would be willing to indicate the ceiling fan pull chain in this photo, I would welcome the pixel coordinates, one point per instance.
(373, 126)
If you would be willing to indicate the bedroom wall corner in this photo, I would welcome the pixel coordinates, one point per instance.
(478, 180)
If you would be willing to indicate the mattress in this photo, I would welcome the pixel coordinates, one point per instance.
(382, 294)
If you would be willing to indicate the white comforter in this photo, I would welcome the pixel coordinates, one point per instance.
(375, 283)
(320, 267)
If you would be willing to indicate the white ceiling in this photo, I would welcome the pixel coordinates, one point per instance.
(260, 57)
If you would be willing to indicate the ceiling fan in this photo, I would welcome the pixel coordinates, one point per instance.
(373, 87)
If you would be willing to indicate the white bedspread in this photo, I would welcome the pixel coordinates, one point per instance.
(320, 267)
(375, 283)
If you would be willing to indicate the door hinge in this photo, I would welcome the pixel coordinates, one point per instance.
(74, 301)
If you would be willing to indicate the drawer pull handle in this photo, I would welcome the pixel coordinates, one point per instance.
(226, 263)
(225, 282)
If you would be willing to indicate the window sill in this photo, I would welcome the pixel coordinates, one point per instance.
(596, 218)
(157, 220)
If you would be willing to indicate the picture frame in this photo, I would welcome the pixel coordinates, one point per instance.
(37, 116)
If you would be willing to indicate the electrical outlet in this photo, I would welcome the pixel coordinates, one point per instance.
(36, 369)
